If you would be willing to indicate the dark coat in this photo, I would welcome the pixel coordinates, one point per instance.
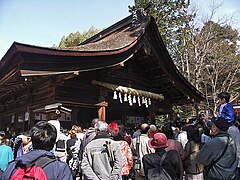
(54, 170)
(226, 166)
(172, 163)
(88, 136)
(190, 163)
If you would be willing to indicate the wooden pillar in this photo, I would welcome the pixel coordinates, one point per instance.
(152, 114)
(31, 118)
(102, 113)
(16, 124)
(102, 105)
(102, 110)
(74, 116)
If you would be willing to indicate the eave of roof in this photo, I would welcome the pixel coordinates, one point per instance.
(96, 53)
(120, 46)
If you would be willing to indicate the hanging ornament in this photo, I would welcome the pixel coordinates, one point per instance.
(149, 102)
(130, 99)
(143, 100)
(134, 99)
(139, 101)
(120, 97)
(125, 98)
(146, 103)
(115, 95)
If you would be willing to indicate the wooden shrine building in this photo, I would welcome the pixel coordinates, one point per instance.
(124, 73)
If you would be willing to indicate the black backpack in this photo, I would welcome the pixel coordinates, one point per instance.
(60, 145)
(158, 172)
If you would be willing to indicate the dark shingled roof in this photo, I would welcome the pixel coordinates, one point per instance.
(109, 48)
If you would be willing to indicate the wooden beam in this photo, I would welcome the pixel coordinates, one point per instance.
(102, 113)
(8, 76)
(102, 104)
(46, 73)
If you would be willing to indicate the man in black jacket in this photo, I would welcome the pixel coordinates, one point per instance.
(172, 163)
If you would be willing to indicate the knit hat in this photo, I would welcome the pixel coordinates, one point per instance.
(221, 123)
(72, 131)
(113, 128)
(159, 140)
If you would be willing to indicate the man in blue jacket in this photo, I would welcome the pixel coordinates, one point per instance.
(226, 110)
(43, 136)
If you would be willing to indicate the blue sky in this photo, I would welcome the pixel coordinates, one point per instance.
(44, 22)
(229, 9)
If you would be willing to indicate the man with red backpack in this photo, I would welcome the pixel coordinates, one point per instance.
(39, 163)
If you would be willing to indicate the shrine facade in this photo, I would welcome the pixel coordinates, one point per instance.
(122, 74)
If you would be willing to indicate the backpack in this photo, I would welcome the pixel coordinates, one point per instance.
(158, 172)
(32, 171)
(1, 173)
(60, 146)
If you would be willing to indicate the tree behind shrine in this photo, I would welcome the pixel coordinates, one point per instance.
(208, 56)
(74, 39)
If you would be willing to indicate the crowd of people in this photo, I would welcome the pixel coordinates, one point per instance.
(192, 149)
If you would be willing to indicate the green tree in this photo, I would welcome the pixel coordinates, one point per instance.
(172, 19)
(74, 39)
(211, 58)
(208, 55)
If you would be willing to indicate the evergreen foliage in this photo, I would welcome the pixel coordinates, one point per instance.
(74, 39)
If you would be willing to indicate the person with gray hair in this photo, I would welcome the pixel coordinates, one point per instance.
(139, 148)
(90, 133)
(102, 158)
(101, 126)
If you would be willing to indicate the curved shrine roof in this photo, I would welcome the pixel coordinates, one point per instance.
(109, 48)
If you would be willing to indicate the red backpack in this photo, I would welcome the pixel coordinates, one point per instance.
(32, 171)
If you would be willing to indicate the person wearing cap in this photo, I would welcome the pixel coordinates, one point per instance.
(79, 131)
(127, 157)
(219, 154)
(172, 162)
